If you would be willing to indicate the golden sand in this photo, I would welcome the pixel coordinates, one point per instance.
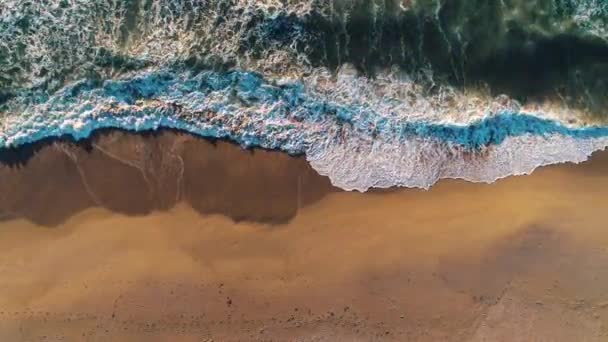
(525, 259)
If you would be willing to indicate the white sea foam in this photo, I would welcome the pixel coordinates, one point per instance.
(357, 164)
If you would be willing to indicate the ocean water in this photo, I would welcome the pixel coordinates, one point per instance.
(373, 93)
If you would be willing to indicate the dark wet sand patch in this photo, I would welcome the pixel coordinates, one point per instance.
(135, 174)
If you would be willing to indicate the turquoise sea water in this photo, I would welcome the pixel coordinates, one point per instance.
(292, 107)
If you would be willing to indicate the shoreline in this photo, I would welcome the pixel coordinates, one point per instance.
(20, 155)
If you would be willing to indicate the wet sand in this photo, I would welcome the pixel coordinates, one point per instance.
(167, 237)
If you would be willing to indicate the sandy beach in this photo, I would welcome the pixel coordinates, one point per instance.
(168, 237)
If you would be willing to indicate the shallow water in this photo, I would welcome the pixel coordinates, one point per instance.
(98, 241)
